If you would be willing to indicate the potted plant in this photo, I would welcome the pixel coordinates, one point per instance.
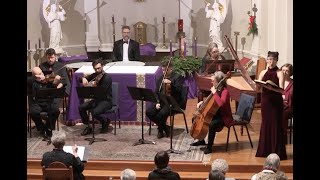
(185, 66)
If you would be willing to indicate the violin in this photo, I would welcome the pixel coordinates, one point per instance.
(167, 88)
(95, 81)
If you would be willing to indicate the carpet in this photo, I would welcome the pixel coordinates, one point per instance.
(120, 146)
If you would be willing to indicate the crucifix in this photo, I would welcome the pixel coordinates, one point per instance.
(254, 9)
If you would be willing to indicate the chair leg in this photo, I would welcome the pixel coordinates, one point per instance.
(150, 127)
(29, 125)
(185, 121)
(235, 133)
(249, 136)
(290, 130)
(119, 118)
(115, 123)
(228, 139)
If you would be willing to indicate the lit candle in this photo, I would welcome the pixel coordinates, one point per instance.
(112, 18)
(28, 44)
(163, 18)
(39, 43)
(185, 49)
(171, 48)
(195, 47)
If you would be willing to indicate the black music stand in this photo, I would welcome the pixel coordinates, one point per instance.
(92, 93)
(142, 94)
(173, 106)
(50, 94)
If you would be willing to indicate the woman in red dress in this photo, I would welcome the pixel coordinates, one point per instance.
(271, 132)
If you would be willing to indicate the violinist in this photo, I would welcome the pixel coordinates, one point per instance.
(169, 84)
(58, 76)
(211, 56)
(98, 106)
(222, 97)
(36, 105)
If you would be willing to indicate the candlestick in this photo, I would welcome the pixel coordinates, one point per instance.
(163, 19)
(180, 25)
(113, 29)
(185, 49)
(112, 18)
(39, 43)
(195, 47)
(171, 48)
(28, 44)
(164, 34)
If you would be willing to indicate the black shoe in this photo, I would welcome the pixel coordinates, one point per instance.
(207, 151)
(104, 126)
(160, 134)
(198, 143)
(87, 130)
(167, 130)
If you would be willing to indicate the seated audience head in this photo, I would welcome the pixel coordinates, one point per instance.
(221, 165)
(128, 174)
(58, 139)
(161, 159)
(126, 33)
(272, 162)
(287, 70)
(216, 175)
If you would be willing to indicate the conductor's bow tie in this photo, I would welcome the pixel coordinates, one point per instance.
(125, 42)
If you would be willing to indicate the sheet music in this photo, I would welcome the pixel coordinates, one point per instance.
(80, 151)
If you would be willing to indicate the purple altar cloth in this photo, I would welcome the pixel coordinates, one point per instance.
(73, 59)
(128, 106)
(148, 50)
(193, 89)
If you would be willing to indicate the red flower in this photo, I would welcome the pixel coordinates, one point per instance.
(252, 18)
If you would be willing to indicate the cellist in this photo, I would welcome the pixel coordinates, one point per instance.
(159, 112)
(222, 98)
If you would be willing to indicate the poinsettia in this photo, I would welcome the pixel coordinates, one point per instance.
(253, 29)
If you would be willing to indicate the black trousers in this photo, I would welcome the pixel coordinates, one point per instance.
(159, 116)
(98, 108)
(52, 108)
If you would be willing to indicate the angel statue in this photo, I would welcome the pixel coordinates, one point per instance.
(53, 14)
(217, 15)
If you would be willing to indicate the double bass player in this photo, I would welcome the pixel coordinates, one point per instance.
(222, 114)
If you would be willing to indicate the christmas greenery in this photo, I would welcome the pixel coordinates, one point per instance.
(184, 66)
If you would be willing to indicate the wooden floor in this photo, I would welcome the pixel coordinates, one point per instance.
(240, 156)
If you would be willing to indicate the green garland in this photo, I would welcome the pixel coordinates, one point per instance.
(184, 66)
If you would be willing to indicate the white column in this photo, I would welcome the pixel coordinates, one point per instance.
(185, 14)
(92, 35)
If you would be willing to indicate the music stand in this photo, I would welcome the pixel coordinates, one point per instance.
(49, 94)
(142, 94)
(92, 93)
(173, 105)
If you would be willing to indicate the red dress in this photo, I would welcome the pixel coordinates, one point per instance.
(271, 133)
(287, 104)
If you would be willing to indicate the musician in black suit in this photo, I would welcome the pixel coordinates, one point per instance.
(126, 49)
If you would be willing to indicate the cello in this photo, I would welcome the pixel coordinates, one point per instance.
(205, 113)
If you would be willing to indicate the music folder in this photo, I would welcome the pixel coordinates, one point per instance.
(89, 92)
(45, 93)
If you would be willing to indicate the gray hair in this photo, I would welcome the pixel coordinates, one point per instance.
(58, 139)
(128, 174)
(272, 162)
(220, 164)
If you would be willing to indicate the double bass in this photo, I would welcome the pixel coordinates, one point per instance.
(205, 113)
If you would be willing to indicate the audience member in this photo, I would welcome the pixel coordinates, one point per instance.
(162, 170)
(271, 139)
(221, 165)
(126, 49)
(128, 174)
(98, 105)
(58, 140)
(216, 175)
(270, 167)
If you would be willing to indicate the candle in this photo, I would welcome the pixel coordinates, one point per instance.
(185, 49)
(39, 43)
(28, 44)
(171, 48)
(195, 47)
(112, 18)
(36, 46)
(163, 19)
(180, 25)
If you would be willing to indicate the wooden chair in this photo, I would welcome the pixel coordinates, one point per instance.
(242, 117)
(57, 171)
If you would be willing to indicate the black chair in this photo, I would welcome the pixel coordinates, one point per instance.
(115, 105)
(183, 105)
(57, 170)
(242, 117)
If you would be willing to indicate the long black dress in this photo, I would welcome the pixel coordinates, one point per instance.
(271, 140)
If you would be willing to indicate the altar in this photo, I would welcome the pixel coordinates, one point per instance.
(130, 110)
